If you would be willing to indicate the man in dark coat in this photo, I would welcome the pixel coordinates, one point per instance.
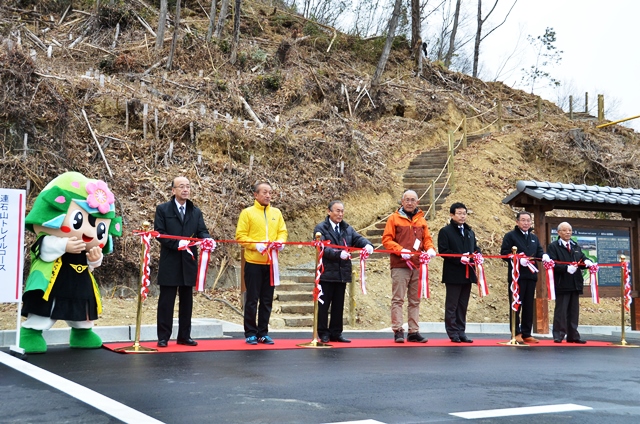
(337, 270)
(457, 273)
(569, 284)
(177, 270)
(526, 242)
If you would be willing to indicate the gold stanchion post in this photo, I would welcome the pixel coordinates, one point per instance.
(315, 342)
(622, 342)
(513, 341)
(136, 345)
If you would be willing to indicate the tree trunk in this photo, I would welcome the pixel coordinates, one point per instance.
(416, 29)
(391, 32)
(162, 24)
(212, 19)
(174, 40)
(452, 37)
(476, 45)
(236, 32)
(223, 15)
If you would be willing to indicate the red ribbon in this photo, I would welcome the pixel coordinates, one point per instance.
(627, 286)
(364, 255)
(146, 258)
(515, 275)
(483, 287)
(207, 246)
(551, 282)
(424, 276)
(273, 247)
(317, 289)
(593, 280)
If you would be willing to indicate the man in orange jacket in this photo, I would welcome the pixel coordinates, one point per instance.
(407, 231)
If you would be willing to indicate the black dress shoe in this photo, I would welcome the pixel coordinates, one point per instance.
(455, 339)
(557, 340)
(579, 341)
(324, 339)
(162, 343)
(340, 339)
(465, 339)
(188, 342)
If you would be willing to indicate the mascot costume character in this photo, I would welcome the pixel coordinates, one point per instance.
(74, 219)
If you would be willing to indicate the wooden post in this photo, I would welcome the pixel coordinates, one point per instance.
(451, 153)
(499, 115)
(432, 201)
(586, 102)
(145, 114)
(539, 109)
(571, 107)
(541, 302)
(600, 107)
(464, 132)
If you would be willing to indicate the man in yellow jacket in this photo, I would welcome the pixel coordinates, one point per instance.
(258, 227)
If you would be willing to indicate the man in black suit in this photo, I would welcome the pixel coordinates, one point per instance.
(569, 284)
(337, 270)
(527, 243)
(177, 270)
(457, 273)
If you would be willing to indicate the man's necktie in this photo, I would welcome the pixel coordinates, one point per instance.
(182, 212)
(337, 229)
(461, 229)
(568, 246)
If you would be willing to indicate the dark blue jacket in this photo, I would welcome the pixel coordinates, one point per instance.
(336, 269)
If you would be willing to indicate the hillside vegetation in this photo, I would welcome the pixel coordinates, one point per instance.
(324, 133)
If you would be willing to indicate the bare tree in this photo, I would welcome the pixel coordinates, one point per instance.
(236, 32)
(416, 24)
(479, 36)
(212, 19)
(452, 36)
(162, 23)
(174, 40)
(391, 32)
(223, 15)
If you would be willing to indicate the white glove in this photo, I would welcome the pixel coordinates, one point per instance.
(344, 255)
(368, 248)
(260, 247)
(432, 253)
(588, 263)
(546, 258)
(280, 248)
(465, 259)
(214, 244)
(524, 261)
(405, 256)
(183, 243)
(571, 269)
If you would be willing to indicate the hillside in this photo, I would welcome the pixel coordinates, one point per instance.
(323, 136)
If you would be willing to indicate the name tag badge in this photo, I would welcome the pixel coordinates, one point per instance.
(416, 245)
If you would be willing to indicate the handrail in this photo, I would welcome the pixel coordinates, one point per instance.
(617, 122)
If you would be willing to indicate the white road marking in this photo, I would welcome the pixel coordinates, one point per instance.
(527, 410)
(83, 394)
(359, 422)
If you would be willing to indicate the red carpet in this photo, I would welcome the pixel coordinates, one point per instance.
(210, 345)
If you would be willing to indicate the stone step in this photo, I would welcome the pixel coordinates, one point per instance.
(374, 232)
(375, 240)
(298, 321)
(297, 308)
(431, 166)
(295, 296)
(288, 286)
(421, 160)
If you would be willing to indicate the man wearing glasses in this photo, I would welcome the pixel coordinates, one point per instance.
(406, 231)
(177, 269)
(526, 242)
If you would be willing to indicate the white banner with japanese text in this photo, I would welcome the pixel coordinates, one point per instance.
(12, 213)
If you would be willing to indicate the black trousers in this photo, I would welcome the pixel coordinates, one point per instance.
(566, 315)
(524, 316)
(166, 301)
(333, 297)
(257, 280)
(455, 309)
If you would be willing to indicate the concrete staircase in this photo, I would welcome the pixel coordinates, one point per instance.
(293, 301)
(422, 170)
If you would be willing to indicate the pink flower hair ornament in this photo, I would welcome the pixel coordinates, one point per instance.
(99, 196)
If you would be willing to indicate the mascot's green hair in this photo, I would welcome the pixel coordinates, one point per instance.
(94, 196)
